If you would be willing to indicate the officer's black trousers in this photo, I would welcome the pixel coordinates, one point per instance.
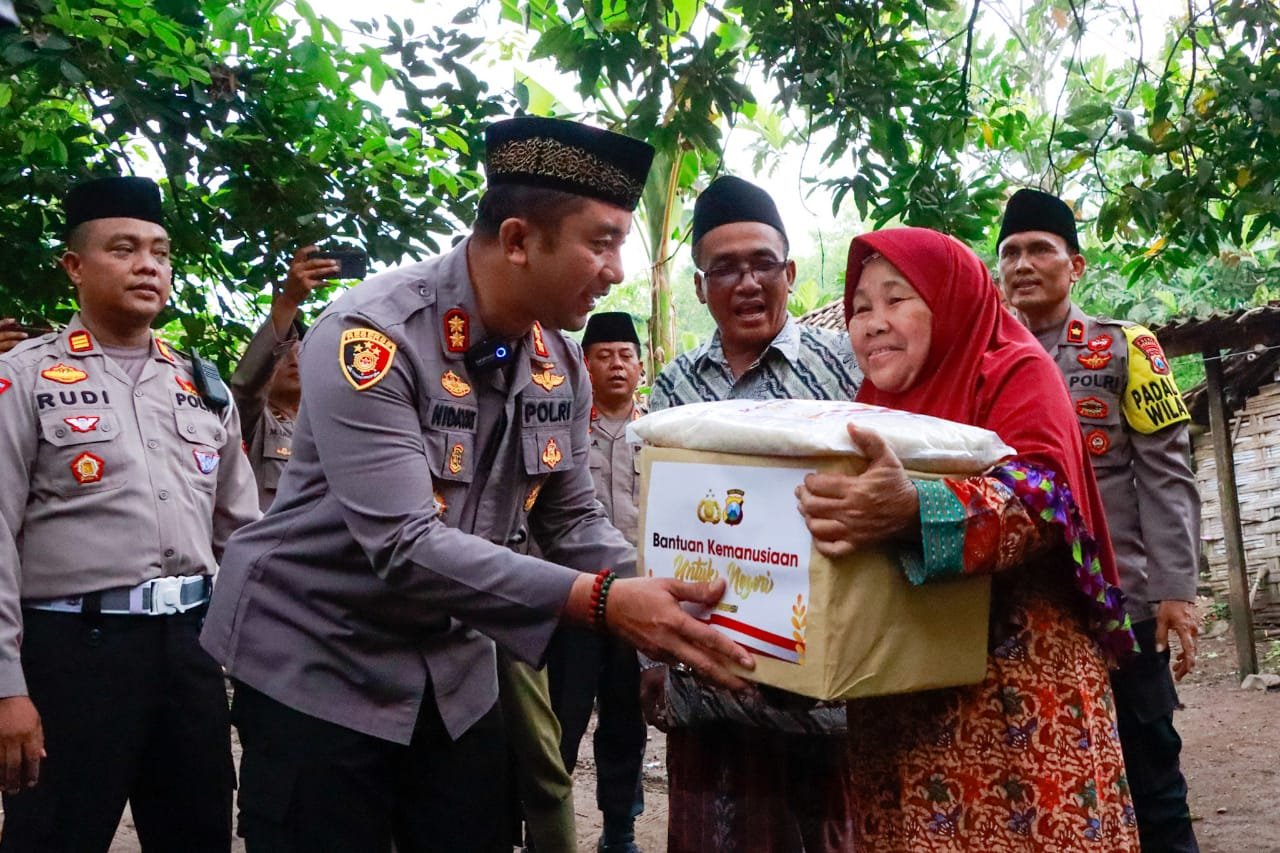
(1145, 702)
(583, 667)
(310, 786)
(133, 709)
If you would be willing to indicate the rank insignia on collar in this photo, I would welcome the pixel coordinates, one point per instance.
(454, 384)
(80, 342)
(551, 454)
(457, 330)
(1075, 332)
(82, 423)
(187, 385)
(1094, 360)
(64, 374)
(5, 384)
(1100, 343)
(206, 460)
(532, 498)
(87, 468)
(365, 356)
(441, 505)
(1097, 442)
(546, 380)
(164, 350)
(455, 458)
(539, 345)
(1091, 407)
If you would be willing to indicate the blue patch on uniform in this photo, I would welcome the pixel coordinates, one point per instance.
(206, 460)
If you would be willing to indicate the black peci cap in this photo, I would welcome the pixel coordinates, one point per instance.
(567, 156)
(1034, 210)
(728, 200)
(107, 198)
(609, 327)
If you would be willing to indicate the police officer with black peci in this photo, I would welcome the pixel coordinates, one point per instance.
(442, 414)
(584, 670)
(1135, 430)
(123, 478)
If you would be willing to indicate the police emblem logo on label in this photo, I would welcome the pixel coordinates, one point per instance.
(365, 356)
(186, 385)
(532, 498)
(539, 345)
(1075, 332)
(1097, 442)
(1094, 360)
(87, 468)
(64, 374)
(82, 423)
(457, 330)
(546, 380)
(455, 458)
(80, 342)
(206, 460)
(733, 506)
(454, 384)
(1092, 407)
(1101, 342)
(5, 384)
(551, 454)
(1151, 348)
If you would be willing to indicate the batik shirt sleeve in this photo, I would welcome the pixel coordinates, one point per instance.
(983, 525)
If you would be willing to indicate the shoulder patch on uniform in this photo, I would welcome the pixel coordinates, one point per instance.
(80, 342)
(365, 356)
(87, 468)
(1151, 399)
(64, 374)
(1075, 332)
(539, 343)
(457, 330)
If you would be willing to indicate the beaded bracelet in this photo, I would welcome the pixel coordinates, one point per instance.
(600, 597)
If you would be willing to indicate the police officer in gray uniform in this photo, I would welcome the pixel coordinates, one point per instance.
(123, 478)
(442, 413)
(266, 385)
(584, 670)
(1135, 429)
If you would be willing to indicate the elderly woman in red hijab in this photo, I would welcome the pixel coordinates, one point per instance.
(1029, 759)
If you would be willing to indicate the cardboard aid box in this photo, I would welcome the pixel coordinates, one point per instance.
(829, 629)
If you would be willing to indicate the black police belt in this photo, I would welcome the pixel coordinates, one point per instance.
(156, 597)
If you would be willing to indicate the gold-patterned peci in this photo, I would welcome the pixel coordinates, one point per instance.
(552, 158)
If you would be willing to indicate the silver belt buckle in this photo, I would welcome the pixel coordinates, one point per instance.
(166, 595)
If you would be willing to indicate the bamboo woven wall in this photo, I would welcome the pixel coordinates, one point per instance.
(1256, 429)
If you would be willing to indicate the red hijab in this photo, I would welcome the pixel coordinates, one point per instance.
(984, 368)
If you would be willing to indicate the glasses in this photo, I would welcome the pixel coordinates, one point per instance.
(731, 275)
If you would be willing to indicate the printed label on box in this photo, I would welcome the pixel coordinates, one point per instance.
(739, 523)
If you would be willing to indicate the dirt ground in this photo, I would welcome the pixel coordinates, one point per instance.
(1231, 757)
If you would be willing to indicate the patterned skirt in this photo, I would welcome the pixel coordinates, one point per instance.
(1028, 760)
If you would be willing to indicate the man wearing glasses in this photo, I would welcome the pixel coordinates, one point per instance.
(737, 767)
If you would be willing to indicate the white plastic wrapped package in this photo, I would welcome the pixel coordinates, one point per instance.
(818, 428)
